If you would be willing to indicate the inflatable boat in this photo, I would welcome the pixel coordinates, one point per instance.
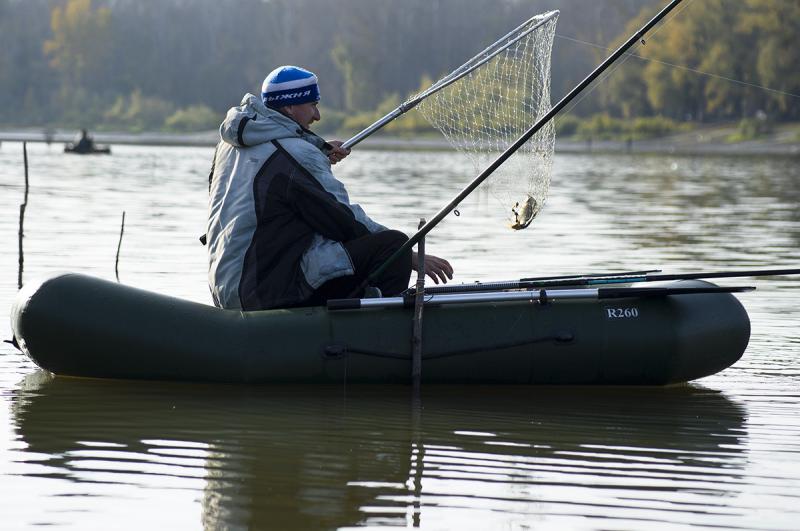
(90, 149)
(78, 325)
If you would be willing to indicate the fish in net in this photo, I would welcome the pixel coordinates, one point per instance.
(485, 105)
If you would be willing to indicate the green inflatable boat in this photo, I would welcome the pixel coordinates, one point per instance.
(78, 325)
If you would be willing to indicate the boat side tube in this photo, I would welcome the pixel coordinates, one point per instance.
(77, 325)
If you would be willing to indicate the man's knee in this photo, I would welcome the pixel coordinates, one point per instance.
(392, 238)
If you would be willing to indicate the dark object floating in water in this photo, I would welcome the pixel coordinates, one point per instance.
(98, 150)
(84, 145)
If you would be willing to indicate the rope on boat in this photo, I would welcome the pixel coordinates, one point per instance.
(341, 351)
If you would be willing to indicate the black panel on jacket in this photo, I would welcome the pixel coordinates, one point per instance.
(291, 206)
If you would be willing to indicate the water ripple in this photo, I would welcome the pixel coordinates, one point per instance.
(724, 454)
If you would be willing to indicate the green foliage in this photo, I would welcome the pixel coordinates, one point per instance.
(655, 127)
(193, 118)
(775, 26)
(331, 120)
(358, 121)
(413, 122)
(753, 41)
(79, 108)
(77, 30)
(601, 127)
(567, 125)
(354, 55)
(138, 113)
(410, 123)
(346, 67)
(67, 62)
(605, 127)
(751, 129)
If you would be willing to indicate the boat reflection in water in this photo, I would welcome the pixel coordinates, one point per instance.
(324, 457)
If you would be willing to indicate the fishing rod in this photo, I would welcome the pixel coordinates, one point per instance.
(636, 37)
(543, 296)
(590, 275)
(721, 274)
(594, 280)
(524, 283)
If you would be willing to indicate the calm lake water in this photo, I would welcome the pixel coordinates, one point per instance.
(721, 452)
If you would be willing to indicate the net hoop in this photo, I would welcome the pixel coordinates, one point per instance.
(489, 101)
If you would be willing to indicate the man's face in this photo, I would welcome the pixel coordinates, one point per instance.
(305, 113)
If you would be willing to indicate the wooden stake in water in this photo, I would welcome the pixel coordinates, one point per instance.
(416, 338)
(22, 208)
(119, 245)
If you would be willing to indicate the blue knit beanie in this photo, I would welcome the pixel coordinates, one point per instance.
(289, 85)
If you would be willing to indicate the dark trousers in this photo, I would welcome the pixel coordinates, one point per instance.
(368, 253)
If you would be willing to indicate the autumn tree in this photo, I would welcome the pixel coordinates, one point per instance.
(712, 61)
(79, 54)
(775, 26)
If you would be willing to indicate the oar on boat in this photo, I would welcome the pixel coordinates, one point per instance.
(540, 295)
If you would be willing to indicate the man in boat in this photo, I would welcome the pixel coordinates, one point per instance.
(282, 231)
(83, 142)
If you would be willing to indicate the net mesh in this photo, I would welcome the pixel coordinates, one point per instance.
(506, 89)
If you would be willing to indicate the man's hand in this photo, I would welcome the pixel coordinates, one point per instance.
(338, 152)
(435, 267)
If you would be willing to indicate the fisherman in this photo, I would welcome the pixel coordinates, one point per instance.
(282, 231)
(83, 143)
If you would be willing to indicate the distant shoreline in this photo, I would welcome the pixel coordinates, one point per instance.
(700, 142)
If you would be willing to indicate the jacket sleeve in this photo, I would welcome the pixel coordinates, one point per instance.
(322, 211)
(320, 167)
(322, 201)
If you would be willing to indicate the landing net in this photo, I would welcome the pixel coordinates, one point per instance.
(489, 102)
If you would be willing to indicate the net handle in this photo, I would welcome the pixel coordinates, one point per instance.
(483, 57)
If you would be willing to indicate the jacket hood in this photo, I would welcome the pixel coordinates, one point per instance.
(253, 123)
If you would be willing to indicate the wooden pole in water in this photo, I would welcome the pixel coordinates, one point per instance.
(417, 448)
(119, 245)
(416, 337)
(22, 208)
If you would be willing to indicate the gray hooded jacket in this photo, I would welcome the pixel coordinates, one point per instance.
(277, 215)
